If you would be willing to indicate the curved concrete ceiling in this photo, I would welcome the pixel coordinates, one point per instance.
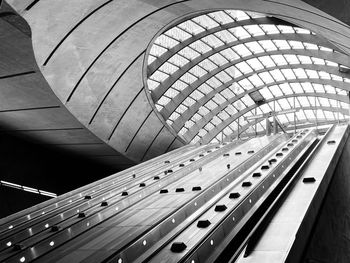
(28, 105)
(92, 55)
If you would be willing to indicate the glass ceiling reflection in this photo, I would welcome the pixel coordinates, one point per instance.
(207, 74)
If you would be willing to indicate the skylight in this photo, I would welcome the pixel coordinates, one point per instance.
(215, 69)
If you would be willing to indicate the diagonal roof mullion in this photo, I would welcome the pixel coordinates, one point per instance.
(342, 59)
(194, 108)
(198, 24)
(209, 136)
(202, 122)
(165, 56)
(177, 100)
(206, 77)
(298, 124)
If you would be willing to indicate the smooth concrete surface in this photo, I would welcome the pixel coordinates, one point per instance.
(28, 106)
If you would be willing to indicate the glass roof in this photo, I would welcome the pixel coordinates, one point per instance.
(209, 73)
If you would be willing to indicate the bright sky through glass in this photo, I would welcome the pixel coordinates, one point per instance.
(210, 72)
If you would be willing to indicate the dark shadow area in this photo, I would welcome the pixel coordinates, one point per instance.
(330, 241)
(31, 164)
(338, 9)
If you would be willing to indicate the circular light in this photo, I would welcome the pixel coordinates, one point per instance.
(47, 225)
(22, 259)
(9, 243)
(52, 243)
(120, 260)
(173, 220)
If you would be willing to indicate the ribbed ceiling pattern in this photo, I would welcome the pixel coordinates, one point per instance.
(207, 74)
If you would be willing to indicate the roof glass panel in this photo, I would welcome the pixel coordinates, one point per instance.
(267, 61)
(270, 29)
(165, 41)
(254, 30)
(180, 85)
(281, 44)
(189, 53)
(292, 59)
(238, 15)
(241, 50)
(218, 59)
(205, 88)
(200, 47)
(286, 29)
(244, 67)
(227, 93)
(212, 41)
(152, 84)
(219, 72)
(233, 72)
(279, 60)
(171, 93)
(277, 75)
(157, 50)
(178, 34)
(240, 33)
(168, 68)
(266, 77)
(208, 65)
(223, 76)
(276, 91)
(225, 36)
(197, 71)
(190, 26)
(205, 21)
(159, 76)
(188, 78)
(256, 80)
(254, 47)
(255, 64)
(286, 89)
(229, 54)
(214, 82)
(268, 45)
(221, 17)
(266, 93)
